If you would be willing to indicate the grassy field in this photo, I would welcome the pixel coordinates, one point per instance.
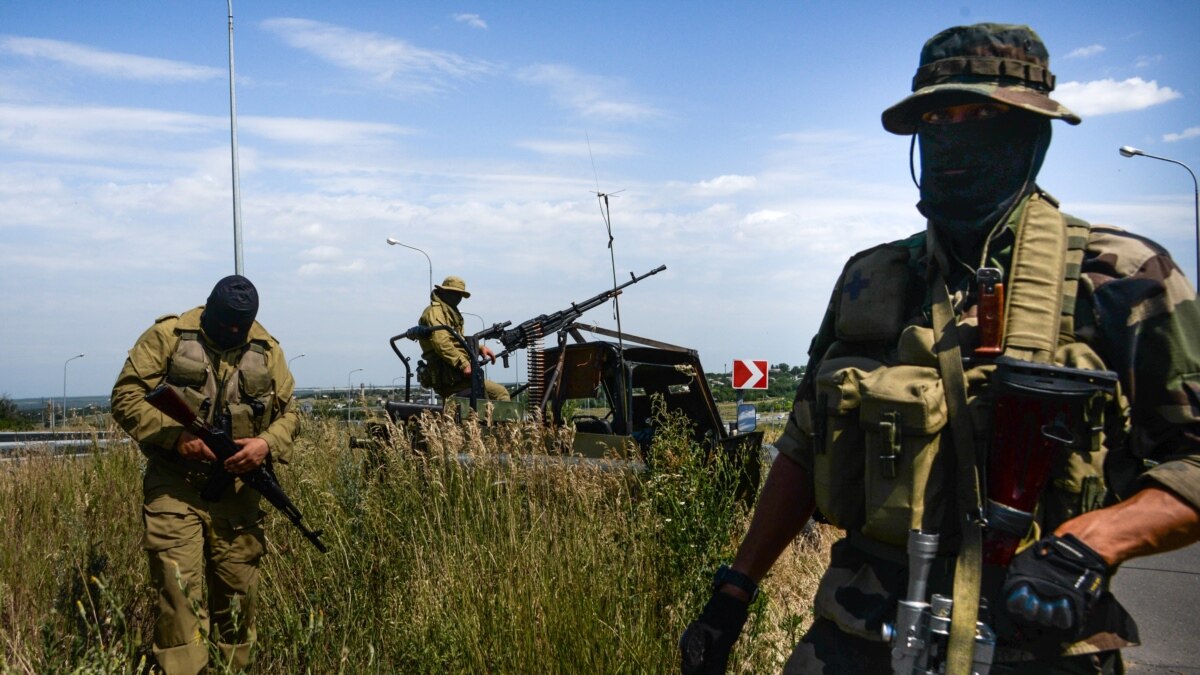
(513, 566)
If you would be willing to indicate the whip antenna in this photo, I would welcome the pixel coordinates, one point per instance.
(602, 199)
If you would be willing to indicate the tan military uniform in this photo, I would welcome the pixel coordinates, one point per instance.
(446, 358)
(199, 550)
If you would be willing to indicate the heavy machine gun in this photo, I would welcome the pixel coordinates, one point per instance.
(529, 333)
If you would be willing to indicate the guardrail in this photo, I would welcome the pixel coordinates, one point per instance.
(13, 441)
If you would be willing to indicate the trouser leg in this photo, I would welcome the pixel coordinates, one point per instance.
(174, 542)
(236, 549)
(495, 391)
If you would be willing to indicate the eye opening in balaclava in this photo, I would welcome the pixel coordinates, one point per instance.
(230, 311)
(974, 172)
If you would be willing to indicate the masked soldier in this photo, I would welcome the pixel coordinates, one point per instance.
(448, 366)
(903, 405)
(204, 556)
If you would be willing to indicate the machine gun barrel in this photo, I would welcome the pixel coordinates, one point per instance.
(525, 334)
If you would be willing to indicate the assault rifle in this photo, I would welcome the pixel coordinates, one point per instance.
(167, 400)
(528, 333)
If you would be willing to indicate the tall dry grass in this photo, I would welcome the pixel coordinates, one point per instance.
(473, 552)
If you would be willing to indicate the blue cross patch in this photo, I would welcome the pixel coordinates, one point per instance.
(856, 285)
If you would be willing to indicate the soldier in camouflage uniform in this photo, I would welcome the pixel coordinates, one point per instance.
(981, 113)
(448, 364)
(204, 557)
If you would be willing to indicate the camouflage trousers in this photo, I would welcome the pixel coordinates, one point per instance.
(826, 650)
(859, 593)
(204, 566)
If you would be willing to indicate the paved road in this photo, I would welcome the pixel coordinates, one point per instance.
(1162, 593)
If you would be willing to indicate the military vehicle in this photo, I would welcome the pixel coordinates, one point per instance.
(604, 389)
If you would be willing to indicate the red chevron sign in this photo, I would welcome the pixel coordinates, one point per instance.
(749, 374)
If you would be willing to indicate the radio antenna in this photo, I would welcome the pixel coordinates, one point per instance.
(605, 214)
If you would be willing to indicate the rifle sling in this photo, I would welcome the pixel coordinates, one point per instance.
(969, 565)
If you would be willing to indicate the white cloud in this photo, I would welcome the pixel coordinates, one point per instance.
(1103, 97)
(724, 185)
(1147, 61)
(109, 64)
(385, 59)
(765, 216)
(1190, 132)
(472, 20)
(1084, 52)
(589, 95)
(580, 148)
(317, 131)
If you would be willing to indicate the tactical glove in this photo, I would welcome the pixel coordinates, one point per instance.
(1052, 586)
(706, 643)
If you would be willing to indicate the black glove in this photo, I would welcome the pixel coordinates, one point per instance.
(706, 643)
(1051, 588)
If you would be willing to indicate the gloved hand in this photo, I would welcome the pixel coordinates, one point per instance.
(1052, 586)
(706, 643)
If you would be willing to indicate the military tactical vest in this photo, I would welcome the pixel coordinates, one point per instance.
(245, 396)
(883, 454)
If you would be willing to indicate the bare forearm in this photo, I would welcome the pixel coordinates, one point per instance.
(1153, 520)
(785, 505)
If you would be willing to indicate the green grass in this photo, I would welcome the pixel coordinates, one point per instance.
(504, 563)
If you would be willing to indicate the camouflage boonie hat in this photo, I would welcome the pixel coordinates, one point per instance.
(455, 284)
(1006, 63)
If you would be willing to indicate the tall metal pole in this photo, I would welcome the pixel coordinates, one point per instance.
(80, 356)
(237, 191)
(349, 397)
(1127, 151)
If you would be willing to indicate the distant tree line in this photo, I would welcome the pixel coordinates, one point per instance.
(782, 380)
(10, 416)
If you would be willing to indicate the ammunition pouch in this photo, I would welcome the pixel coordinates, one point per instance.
(879, 434)
(424, 376)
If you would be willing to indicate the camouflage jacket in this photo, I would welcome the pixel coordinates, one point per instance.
(1135, 309)
(443, 353)
(147, 366)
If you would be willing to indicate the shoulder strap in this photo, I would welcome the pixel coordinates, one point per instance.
(1035, 288)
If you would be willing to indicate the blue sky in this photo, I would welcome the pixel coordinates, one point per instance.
(741, 143)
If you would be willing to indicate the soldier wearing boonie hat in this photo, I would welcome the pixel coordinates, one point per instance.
(1089, 297)
(448, 366)
(1008, 64)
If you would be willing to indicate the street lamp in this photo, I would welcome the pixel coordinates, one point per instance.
(1127, 151)
(393, 242)
(78, 356)
(348, 394)
(482, 324)
(293, 359)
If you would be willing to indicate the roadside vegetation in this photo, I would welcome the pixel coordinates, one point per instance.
(470, 553)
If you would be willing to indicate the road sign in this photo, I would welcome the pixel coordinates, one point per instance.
(749, 374)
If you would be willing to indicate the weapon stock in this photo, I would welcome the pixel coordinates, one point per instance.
(262, 479)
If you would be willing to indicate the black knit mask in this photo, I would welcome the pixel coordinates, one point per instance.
(230, 311)
(995, 162)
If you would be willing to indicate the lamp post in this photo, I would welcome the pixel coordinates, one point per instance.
(78, 356)
(349, 397)
(1127, 151)
(393, 242)
(294, 358)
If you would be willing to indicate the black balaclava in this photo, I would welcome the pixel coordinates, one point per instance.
(233, 303)
(449, 297)
(999, 158)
